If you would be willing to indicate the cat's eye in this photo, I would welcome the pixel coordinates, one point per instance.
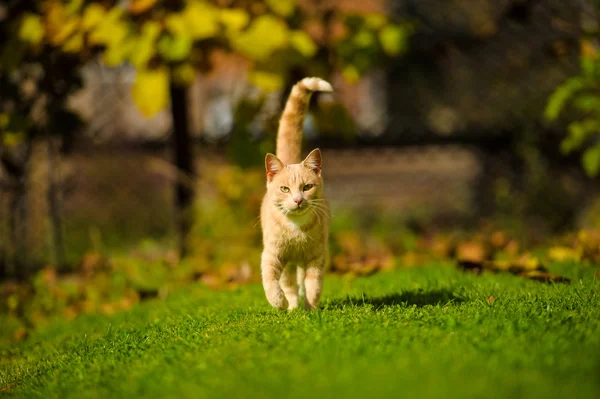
(308, 187)
(285, 189)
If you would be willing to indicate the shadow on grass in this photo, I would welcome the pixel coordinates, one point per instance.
(408, 298)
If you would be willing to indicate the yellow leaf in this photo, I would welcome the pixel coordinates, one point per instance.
(151, 30)
(351, 74)
(201, 20)
(144, 46)
(73, 6)
(140, 6)
(92, 16)
(59, 25)
(31, 29)
(393, 39)
(151, 90)
(564, 254)
(175, 23)
(282, 7)
(110, 31)
(184, 74)
(302, 42)
(115, 55)
(267, 81)
(73, 44)
(266, 35)
(67, 29)
(143, 51)
(234, 19)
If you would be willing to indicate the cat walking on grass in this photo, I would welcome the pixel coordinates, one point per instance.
(294, 213)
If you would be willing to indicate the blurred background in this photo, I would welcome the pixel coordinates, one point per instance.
(133, 135)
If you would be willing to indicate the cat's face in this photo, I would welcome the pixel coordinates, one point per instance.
(295, 189)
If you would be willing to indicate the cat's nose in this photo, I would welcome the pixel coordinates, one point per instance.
(298, 201)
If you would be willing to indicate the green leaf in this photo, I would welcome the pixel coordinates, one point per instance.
(588, 66)
(266, 80)
(284, 8)
(12, 139)
(579, 133)
(364, 38)
(375, 20)
(591, 160)
(31, 29)
(266, 35)
(393, 39)
(561, 95)
(4, 120)
(302, 42)
(151, 90)
(587, 103)
(174, 48)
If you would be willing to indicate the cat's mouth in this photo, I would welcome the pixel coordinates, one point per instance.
(299, 210)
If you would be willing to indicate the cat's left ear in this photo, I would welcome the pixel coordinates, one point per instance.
(273, 166)
(313, 161)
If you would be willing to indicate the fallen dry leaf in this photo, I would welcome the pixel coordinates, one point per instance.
(471, 251)
(20, 334)
(7, 388)
(490, 299)
(498, 240)
(544, 277)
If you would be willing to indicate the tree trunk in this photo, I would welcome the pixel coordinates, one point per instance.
(54, 208)
(17, 254)
(184, 161)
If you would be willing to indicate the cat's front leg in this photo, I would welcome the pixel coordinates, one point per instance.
(313, 283)
(271, 268)
(289, 285)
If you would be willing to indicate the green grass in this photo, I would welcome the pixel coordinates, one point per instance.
(417, 333)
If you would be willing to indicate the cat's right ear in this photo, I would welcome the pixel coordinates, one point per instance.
(273, 166)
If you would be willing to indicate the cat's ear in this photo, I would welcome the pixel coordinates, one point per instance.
(273, 166)
(313, 161)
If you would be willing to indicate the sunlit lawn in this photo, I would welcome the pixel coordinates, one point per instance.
(414, 333)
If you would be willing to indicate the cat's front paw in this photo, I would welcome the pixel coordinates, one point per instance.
(278, 301)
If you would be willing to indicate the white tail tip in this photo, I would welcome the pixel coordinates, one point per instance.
(316, 84)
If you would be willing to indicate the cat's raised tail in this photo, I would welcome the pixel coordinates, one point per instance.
(289, 135)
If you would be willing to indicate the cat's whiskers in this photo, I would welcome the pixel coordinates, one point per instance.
(321, 208)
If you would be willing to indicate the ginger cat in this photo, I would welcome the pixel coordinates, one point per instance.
(294, 214)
